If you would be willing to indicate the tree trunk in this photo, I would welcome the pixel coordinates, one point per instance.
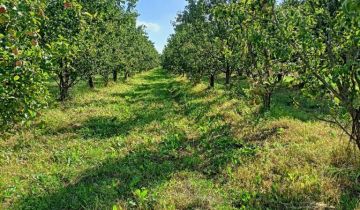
(212, 80)
(106, 80)
(228, 75)
(64, 93)
(267, 101)
(64, 80)
(91, 82)
(115, 75)
(126, 75)
(240, 72)
(355, 132)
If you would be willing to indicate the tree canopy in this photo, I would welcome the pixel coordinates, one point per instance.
(65, 41)
(314, 43)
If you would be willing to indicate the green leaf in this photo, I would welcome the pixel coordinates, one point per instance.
(16, 78)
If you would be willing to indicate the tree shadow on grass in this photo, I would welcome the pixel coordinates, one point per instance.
(101, 128)
(105, 127)
(148, 165)
(165, 92)
(94, 103)
(289, 102)
(286, 101)
(145, 167)
(140, 98)
(146, 93)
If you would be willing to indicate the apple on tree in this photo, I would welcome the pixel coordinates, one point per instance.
(2, 9)
(67, 5)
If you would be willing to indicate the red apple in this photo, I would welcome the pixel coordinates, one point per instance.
(2, 9)
(34, 42)
(67, 5)
(30, 33)
(15, 51)
(18, 63)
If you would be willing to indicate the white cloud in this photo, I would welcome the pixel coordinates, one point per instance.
(153, 27)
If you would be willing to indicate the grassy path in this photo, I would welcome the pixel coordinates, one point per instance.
(158, 143)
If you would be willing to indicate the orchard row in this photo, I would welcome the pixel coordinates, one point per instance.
(315, 44)
(66, 41)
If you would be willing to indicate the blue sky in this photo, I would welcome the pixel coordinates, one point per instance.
(157, 15)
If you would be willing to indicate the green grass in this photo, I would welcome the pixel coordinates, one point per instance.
(157, 142)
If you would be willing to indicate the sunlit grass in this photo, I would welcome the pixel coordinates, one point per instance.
(158, 142)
